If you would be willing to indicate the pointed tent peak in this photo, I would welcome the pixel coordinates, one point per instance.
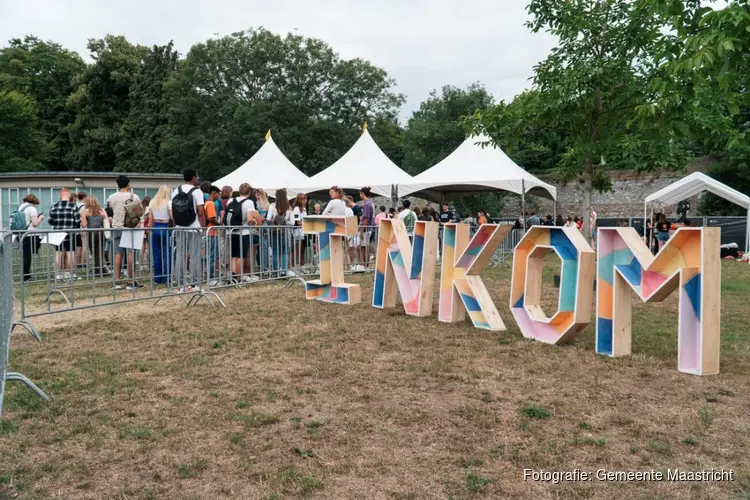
(268, 134)
(268, 169)
(364, 127)
(364, 164)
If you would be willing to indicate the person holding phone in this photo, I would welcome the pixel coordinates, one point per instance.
(30, 242)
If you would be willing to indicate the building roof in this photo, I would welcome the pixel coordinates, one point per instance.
(55, 174)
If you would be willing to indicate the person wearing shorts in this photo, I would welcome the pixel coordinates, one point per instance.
(64, 216)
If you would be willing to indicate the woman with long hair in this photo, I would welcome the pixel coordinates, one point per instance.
(226, 195)
(92, 217)
(299, 211)
(159, 217)
(337, 205)
(662, 230)
(280, 215)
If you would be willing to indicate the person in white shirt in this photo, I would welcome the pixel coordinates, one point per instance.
(337, 205)
(241, 247)
(188, 243)
(280, 215)
(299, 209)
(30, 242)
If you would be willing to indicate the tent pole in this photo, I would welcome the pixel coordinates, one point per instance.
(747, 233)
(554, 211)
(652, 236)
(645, 224)
(523, 205)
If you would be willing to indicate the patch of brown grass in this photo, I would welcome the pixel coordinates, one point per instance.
(277, 397)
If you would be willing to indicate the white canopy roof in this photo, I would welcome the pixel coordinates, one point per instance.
(693, 184)
(267, 169)
(364, 164)
(472, 169)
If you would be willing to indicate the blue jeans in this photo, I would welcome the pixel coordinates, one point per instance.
(280, 248)
(161, 252)
(213, 255)
(261, 256)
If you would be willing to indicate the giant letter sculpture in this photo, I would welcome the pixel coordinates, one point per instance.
(331, 232)
(463, 261)
(689, 260)
(407, 269)
(576, 284)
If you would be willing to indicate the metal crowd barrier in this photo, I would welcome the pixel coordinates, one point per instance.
(57, 271)
(6, 319)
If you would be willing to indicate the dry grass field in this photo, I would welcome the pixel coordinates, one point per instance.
(275, 397)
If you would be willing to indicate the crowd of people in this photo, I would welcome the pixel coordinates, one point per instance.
(245, 235)
(245, 245)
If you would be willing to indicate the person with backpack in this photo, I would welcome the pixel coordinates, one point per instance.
(126, 213)
(239, 215)
(24, 220)
(281, 216)
(189, 217)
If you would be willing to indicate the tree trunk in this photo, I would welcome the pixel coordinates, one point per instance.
(588, 188)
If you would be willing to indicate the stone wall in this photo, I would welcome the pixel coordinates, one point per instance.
(629, 190)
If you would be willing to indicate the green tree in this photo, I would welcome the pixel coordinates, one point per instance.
(435, 130)
(45, 71)
(22, 143)
(101, 102)
(589, 88)
(231, 90)
(706, 47)
(146, 124)
(707, 68)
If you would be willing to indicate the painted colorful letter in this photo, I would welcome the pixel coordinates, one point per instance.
(463, 261)
(576, 284)
(688, 261)
(405, 268)
(331, 233)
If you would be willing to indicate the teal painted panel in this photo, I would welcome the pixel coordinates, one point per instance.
(568, 285)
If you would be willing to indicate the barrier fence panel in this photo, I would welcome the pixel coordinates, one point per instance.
(6, 319)
(57, 271)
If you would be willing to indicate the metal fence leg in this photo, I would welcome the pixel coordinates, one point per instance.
(31, 385)
(28, 327)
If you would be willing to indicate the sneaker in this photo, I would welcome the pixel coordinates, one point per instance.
(59, 277)
(134, 285)
(195, 289)
(117, 287)
(214, 283)
(246, 279)
(291, 274)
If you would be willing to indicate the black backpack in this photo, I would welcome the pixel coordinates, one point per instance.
(233, 213)
(183, 208)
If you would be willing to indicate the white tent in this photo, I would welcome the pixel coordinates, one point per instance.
(692, 185)
(364, 164)
(267, 169)
(472, 169)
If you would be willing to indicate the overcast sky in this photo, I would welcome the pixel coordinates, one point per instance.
(422, 44)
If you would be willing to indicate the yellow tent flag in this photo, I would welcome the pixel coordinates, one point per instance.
(268, 134)
(364, 127)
